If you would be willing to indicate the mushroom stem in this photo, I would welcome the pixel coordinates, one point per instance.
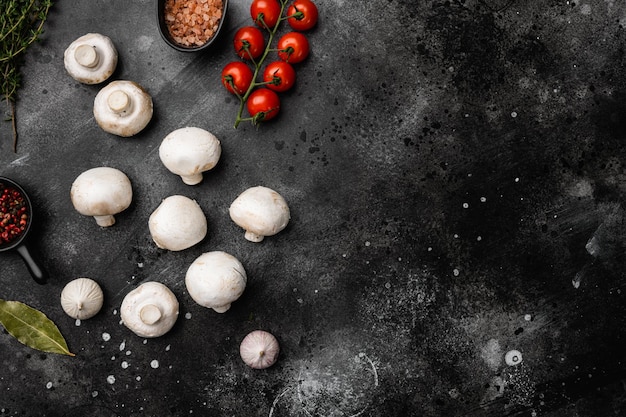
(150, 314)
(119, 101)
(105, 220)
(222, 309)
(87, 56)
(253, 237)
(192, 179)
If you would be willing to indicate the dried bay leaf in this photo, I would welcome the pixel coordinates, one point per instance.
(32, 328)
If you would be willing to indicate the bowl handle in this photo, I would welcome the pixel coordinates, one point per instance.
(36, 271)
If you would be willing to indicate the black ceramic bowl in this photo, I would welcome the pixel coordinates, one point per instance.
(167, 37)
(20, 244)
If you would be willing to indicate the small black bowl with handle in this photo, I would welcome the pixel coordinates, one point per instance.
(169, 39)
(20, 241)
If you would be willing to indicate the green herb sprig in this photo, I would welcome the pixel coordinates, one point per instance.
(21, 24)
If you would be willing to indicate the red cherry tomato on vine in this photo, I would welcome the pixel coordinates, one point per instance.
(303, 14)
(237, 77)
(263, 104)
(265, 11)
(293, 47)
(280, 75)
(249, 42)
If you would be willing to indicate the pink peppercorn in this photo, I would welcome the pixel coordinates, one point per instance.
(13, 214)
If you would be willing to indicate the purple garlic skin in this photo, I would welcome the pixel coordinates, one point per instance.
(259, 349)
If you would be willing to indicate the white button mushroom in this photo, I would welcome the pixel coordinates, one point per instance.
(82, 298)
(216, 279)
(259, 349)
(189, 152)
(101, 192)
(150, 310)
(123, 108)
(261, 212)
(513, 357)
(177, 223)
(91, 59)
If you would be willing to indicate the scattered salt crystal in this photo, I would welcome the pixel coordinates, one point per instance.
(49, 385)
(367, 243)
(456, 272)
(111, 379)
(124, 365)
(528, 317)
(94, 394)
(154, 364)
(187, 316)
(168, 347)
(123, 345)
(138, 378)
(77, 322)
(106, 337)
(465, 205)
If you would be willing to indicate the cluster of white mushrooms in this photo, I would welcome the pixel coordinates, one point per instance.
(215, 279)
(123, 108)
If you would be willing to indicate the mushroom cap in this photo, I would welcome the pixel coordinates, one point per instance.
(177, 223)
(82, 298)
(101, 191)
(123, 108)
(91, 59)
(260, 211)
(189, 151)
(216, 279)
(150, 310)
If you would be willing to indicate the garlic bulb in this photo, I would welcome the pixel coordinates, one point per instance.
(259, 349)
(82, 298)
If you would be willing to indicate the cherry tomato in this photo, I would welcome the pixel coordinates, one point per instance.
(293, 47)
(280, 76)
(303, 14)
(249, 42)
(263, 104)
(265, 13)
(237, 77)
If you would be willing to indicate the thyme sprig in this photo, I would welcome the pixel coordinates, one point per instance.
(21, 24)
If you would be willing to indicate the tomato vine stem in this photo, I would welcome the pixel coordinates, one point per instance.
(259, 63)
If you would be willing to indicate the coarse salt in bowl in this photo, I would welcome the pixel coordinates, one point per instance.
(191, 25)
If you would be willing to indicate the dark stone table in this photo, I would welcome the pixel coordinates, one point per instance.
(455, 174)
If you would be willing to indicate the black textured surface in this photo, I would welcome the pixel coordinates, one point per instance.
(455, 173)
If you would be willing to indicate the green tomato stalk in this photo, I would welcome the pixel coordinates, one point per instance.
(257, 66)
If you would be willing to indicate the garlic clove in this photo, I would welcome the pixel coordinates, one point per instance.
(82, 298)
(259, 349)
